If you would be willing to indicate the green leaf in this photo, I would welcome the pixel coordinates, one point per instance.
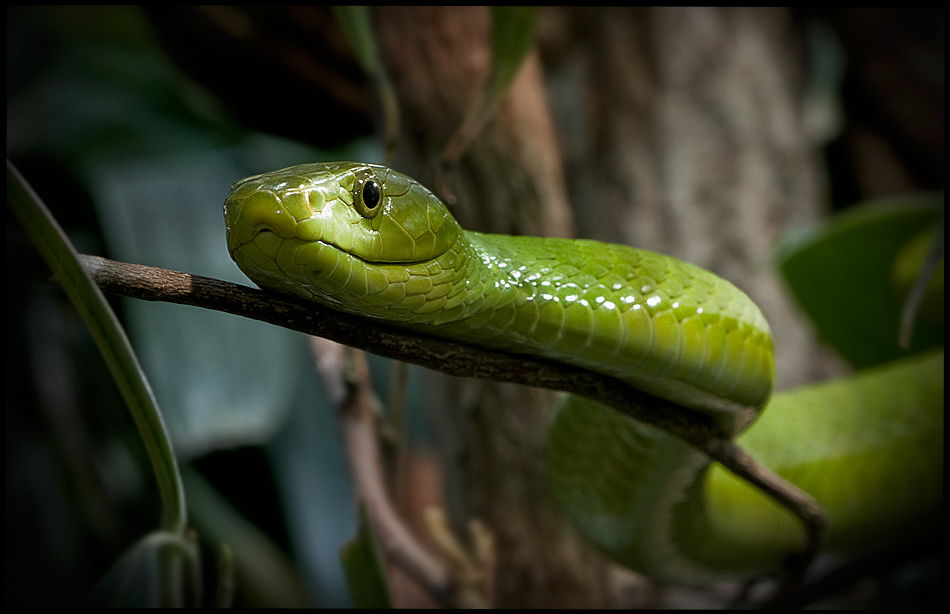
(358, 27)
(918, 259)
(110, 338)
(135, 580)
(363, 567)
(512, 35)
(842, 274)
(359, 31)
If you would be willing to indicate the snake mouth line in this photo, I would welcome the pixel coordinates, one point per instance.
(337, 248)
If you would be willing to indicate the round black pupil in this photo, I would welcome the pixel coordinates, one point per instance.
(371, 194)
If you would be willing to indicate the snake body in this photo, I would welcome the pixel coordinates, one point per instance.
(367, 240)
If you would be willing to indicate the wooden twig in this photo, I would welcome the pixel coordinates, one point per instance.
(800, 503)
(346, 376)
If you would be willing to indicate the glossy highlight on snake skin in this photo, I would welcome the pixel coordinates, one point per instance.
(370, 241)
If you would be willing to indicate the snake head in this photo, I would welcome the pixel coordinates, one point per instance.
(337, 233)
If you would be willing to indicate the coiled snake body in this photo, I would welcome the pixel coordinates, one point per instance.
(367, 240)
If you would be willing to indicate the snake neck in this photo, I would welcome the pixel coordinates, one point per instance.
(612, 309)
(483, 284)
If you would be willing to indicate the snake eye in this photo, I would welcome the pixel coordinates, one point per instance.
(367, 194)
(371, 194)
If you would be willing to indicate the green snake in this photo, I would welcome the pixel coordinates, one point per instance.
(370, 241)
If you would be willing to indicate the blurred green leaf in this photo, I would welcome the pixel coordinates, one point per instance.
(363, 567)
(358, 28)
(842, 274)
(923, 256)
(512, 35)
(135, 579)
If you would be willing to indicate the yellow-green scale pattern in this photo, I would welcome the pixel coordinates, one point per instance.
(669, 328)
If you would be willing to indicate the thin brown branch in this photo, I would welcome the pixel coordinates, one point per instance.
(154, 284)
(800, 503)
(347, 379)
(149, 283)
(345, 373)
